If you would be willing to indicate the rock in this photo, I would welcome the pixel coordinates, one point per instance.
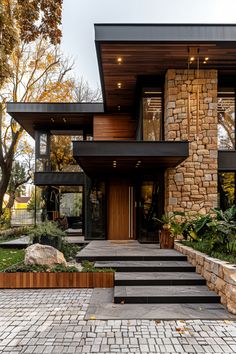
(43, 255)
(229, 272)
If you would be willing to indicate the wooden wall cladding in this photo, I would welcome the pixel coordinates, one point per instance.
(48, 280)
(113, 127)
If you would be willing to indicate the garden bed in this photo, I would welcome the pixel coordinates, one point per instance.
(42, 280)
(220, 275)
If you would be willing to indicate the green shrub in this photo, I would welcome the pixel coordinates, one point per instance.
(40, 268)
(69, 250)
(14, 232)
(88, 267)
(63, 269)
(47, 233)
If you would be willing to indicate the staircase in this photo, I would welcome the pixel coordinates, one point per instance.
(157, 279)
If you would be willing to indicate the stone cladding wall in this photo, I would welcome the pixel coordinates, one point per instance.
(220, 275)
(192, 185)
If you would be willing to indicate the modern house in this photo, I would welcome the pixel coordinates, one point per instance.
(163, 139)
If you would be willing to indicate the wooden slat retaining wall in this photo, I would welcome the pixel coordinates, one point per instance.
(56, 280)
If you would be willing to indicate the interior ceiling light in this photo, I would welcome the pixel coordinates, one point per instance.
(119, 60)
(119, 85)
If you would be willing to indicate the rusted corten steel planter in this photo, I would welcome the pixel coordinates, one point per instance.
(46, 280)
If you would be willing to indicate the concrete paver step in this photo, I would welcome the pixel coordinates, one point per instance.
(165, 294)
(147, 266)
(158, 278)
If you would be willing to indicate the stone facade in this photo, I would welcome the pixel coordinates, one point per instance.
(220, 276)
(191, 114)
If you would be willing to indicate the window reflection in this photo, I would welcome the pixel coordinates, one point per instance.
(43, 144)
(226, 120)
(152, 115)
(226, 188)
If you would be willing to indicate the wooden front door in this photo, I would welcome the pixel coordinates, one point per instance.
(120, 210)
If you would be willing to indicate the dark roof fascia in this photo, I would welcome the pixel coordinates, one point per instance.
(64, 108)
(164, 32)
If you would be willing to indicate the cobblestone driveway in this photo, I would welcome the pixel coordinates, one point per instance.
(52, 321)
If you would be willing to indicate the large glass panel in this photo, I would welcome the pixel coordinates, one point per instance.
(61, 153)
(95, 209)
(226, 189)
(226, 119)
(149, 209)
(152, 116)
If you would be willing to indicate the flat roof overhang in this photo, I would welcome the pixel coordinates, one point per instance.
(151, 49)
(54, 116)
(112, 157)
(59, 178)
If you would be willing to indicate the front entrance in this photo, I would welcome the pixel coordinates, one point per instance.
(121, 211)
(133, 208)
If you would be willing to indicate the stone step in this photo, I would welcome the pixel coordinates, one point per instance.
(158, 278)
(147, 266)
(164, 294)
(131, 258)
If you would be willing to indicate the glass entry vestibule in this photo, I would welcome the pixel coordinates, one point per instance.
(129, 210)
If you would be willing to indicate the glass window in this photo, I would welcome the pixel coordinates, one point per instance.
(43, 144)
(226, 119)
(61, 153)
(152, 115)
(226, 189)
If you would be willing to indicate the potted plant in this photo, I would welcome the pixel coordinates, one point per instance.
(171, 229)
(47, 233)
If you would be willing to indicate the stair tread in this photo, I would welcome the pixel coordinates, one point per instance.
(164, 291)
(157, 275)
(143, 264)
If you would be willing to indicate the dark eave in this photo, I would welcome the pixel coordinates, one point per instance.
(33, 116)
(59, 178)
(165, 32)
(152, 49)
(97, 157)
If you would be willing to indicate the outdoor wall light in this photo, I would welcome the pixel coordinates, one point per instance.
(64, 120)
(119, 60)
(52, 120)
(119, 85)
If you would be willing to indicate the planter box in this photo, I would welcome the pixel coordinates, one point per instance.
(46, 280)
(166, 240)
(220, 275)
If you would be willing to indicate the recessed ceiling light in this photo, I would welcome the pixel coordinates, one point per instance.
(119, 84)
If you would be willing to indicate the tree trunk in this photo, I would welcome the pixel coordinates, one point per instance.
(3, 187)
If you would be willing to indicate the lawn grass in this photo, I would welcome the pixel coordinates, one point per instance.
(10, 256)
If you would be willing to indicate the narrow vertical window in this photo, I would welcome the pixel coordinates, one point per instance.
(226, 119)
(152, 115)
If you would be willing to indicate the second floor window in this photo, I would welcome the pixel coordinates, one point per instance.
(226, 119)
(152, 115)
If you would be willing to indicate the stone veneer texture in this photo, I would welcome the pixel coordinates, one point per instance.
(192, 185)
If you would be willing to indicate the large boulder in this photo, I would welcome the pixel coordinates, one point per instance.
(44, 255)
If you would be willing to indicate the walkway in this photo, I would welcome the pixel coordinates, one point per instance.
(52, 321)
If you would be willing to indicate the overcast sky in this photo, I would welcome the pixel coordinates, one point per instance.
(79, 17)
